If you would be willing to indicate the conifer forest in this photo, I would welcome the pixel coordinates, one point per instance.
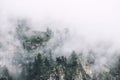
(35, 60)
(59, 39)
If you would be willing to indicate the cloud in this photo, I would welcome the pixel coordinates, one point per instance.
(90, 22)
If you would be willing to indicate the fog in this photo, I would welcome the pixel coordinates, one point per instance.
(94, 19)
(92, 24)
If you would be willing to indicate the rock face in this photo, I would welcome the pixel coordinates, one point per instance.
(80, 74)
(58, 74)
(88, 70)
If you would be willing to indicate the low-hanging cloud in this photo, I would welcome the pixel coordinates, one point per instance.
(93, 25)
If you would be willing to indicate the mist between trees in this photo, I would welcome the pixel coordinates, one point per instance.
(27, 54)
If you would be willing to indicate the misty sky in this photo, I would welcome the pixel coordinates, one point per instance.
(94, 19)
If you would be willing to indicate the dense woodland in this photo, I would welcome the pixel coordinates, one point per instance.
(43, 65)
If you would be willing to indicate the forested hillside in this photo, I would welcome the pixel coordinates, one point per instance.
(36, 61)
